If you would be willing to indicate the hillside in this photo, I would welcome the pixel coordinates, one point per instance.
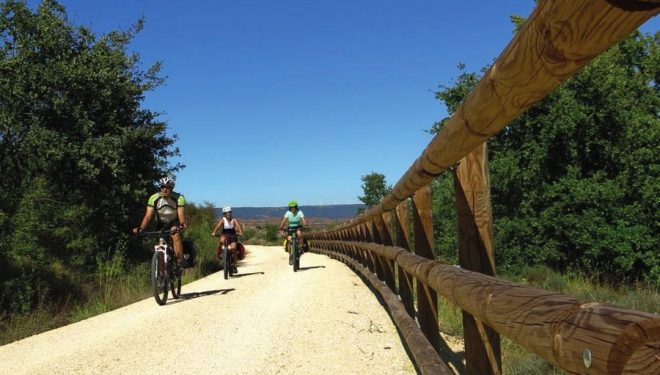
(334, 212)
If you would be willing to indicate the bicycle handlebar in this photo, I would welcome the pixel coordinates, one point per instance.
(159, 232)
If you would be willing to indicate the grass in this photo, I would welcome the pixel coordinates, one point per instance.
(516, 359)
(115, 284)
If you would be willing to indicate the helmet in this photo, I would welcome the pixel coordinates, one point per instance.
(293, 204)
(226, 209)
(166, 181)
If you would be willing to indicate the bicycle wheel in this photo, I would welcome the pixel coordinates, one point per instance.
(226, 262)
(294, 254)
(159, 278)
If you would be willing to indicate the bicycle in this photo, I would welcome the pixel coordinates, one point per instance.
(293, 248)
(226, 256)
(163, 267)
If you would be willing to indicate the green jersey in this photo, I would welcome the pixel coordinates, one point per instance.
(166, 208)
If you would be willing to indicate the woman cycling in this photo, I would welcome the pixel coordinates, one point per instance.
(296, 222)
(231, 227)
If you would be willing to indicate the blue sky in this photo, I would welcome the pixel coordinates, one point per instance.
(297, 99)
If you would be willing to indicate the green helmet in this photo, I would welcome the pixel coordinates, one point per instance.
(293, 204)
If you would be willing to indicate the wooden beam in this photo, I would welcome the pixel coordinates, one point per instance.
(559, 328)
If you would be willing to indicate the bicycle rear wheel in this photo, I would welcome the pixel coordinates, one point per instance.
(159, 278)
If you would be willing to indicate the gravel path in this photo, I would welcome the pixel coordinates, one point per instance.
(269, 320)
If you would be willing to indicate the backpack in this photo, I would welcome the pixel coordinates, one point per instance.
(241, 251)
(189, 254)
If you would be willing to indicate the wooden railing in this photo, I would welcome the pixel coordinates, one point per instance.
(581, 337)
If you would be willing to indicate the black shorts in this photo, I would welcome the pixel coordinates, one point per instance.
(291, 230)
(231, 237)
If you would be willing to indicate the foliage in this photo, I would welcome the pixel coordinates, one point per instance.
(201, 216)
(78, 154)
(375, 188)
(272, 232)
(116, 283)
(444, 219)
(576, 179)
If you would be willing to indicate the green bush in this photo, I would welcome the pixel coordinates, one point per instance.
(271, 232)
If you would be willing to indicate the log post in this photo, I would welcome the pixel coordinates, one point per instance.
(401, 225)
(377, 236)
(427, 299)
(367, 237)
(385, 224)
(475, 243)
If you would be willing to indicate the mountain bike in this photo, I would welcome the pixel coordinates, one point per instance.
(163, 267)
(294, 249)
(226, 256)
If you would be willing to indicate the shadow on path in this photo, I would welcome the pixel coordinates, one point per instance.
(236, 275)
(187, 296)
(454, 359)
(309, 268)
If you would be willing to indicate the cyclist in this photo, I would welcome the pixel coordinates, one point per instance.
(169, 209)
(296, 222)
(231, 227)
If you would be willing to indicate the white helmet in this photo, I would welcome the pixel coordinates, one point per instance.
(166, 181)
(226, 209)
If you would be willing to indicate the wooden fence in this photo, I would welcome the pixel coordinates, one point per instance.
(581, 337)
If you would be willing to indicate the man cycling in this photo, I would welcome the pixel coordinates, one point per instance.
(169, 209)
(296, 222)
(231, 227)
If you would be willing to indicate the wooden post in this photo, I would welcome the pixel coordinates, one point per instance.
(401, 225)
(427, 299)
(475, 243)
(385, 224)
(376, 230)
(357, 236)
(368, 237)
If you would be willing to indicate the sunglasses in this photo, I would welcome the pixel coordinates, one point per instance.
(166, 187)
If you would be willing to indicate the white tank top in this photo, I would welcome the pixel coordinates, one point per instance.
(226, 224)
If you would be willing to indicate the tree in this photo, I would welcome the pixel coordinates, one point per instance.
(78, 154)
(374, 188)
(575, 179)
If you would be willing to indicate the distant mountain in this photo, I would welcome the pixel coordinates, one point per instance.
(334, 211)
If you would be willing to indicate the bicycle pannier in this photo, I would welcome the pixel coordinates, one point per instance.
(189, 254)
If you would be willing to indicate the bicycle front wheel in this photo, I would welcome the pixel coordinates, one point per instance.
(159, 278)
(175, 287)
(226, 262)
(294, 254)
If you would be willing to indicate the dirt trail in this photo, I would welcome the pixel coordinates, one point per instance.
(269, 320)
